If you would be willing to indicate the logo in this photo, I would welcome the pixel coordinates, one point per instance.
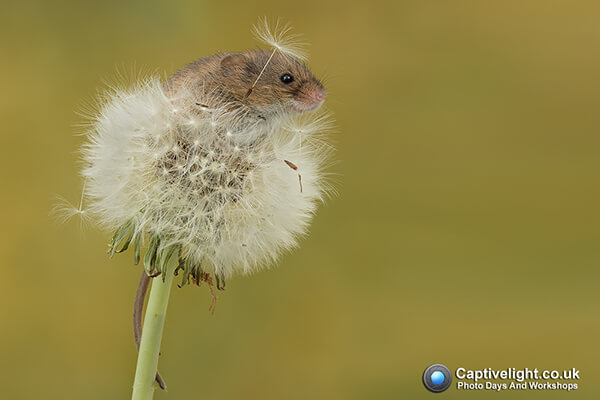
(437, 378)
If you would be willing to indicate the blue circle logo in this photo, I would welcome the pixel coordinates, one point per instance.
(437, 378)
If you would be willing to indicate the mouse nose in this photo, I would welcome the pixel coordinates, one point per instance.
(319, 94)
(310, 98)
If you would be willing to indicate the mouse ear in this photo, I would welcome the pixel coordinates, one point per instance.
(233, 64)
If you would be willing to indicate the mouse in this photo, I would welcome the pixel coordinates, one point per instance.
(253, 91)
(261, 84)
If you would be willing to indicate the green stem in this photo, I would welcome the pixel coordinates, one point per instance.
(154, 321)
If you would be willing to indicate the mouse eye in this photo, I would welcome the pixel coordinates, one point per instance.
(287, 79)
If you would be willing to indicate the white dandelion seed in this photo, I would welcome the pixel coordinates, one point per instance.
(63, 210)
(280, 37)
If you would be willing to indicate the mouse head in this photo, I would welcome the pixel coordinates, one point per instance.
(271, 83)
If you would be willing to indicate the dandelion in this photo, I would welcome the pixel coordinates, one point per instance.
(211, 174)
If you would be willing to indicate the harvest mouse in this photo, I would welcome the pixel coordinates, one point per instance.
(264, 83)
(259, 87)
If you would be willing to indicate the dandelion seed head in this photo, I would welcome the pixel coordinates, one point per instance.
(213, 184)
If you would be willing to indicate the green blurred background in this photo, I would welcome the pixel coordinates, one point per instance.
(465, 231)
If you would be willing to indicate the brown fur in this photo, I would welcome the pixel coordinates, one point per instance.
(230, 76)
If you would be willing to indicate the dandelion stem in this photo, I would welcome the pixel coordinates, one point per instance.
(147, 363)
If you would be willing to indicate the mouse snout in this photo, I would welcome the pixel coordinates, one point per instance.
(312, 96)
(317, 93)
